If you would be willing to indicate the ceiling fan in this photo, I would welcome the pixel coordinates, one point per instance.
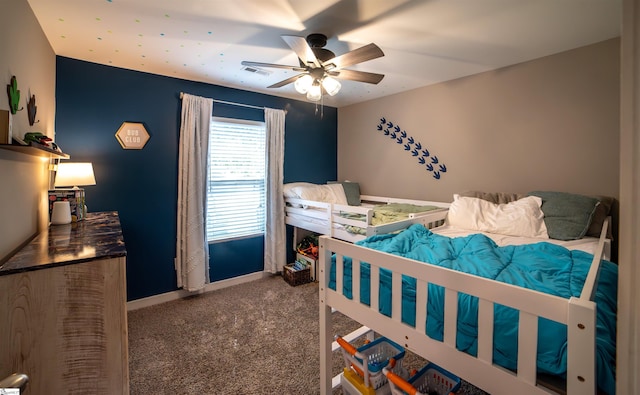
(319, 67)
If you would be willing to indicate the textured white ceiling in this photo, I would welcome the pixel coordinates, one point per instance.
(424, 41)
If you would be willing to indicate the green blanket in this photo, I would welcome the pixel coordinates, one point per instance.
(393, 212)
(387, 213)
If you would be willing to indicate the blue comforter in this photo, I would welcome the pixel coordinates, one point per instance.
(544, 267)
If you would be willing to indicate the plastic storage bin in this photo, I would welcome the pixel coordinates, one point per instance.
(429, 380)
(364, 365)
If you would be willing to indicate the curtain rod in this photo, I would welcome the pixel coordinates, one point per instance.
(231, 103)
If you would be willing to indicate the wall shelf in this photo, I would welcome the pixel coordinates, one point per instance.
(35, 150)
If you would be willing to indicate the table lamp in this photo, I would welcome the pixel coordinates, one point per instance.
(75, 175)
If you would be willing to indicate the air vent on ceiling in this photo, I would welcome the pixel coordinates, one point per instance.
(256, 70)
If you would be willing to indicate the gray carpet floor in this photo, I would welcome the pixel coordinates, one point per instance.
(260, 337)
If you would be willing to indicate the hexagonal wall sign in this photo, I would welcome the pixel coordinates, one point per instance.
(132, 135)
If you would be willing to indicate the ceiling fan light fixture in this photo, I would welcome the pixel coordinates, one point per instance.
(331, 85)
(320, 68)
(303, 84)
(315, 92)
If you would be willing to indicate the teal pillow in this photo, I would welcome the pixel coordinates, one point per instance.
(567, 216)
(351, 191)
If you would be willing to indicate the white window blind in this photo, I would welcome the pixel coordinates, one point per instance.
(236, 183)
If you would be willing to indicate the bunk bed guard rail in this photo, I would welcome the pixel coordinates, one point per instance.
(579, 314)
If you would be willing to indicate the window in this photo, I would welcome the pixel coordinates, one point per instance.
(236, 183)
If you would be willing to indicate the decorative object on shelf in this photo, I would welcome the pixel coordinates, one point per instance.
(14, 95)
(61, 213)
(74, 174)
(37, 139)
(5, 127)
(132, 135)
(413, 147)
(31, 110)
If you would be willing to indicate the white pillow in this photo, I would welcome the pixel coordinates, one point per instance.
(522, 217)
(335, 194)
(291, 190)
(328, 193)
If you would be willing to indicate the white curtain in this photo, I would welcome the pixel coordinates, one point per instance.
(274, 237)
(192, 261)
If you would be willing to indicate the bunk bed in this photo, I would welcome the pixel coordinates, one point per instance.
(504, 330)
(330, 209)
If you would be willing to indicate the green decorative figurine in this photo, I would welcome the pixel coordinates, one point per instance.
(14, 95)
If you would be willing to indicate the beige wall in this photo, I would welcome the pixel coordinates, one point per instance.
(552, 124)
(25, 53)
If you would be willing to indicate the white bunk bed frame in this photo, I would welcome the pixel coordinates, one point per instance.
(579, 314)
(320, 217)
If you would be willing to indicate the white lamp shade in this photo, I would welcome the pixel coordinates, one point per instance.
(303, 84)
(74, 174)
(331, 85)
(315, 92)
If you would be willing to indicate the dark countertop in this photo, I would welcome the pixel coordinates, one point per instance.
(98, 236)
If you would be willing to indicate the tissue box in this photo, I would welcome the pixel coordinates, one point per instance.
(75, 198)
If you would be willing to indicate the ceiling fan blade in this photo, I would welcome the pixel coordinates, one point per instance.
(278, 66)
(302, 49)
(362, 54)
(285, 82)
(360, 76)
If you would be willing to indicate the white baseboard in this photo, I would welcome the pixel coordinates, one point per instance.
(181, 293)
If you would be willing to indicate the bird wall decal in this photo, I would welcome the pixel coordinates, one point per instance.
(412, 146)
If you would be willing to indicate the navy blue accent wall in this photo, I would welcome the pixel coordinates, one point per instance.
(93, 100)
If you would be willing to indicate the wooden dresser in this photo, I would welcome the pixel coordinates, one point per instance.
(63, 316)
